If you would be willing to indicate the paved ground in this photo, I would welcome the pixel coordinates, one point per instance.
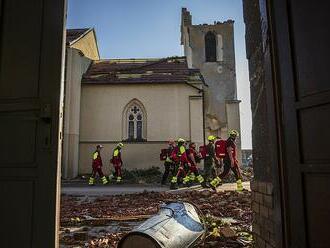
(98, 190)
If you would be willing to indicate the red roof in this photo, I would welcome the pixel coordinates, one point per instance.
(74, 34)
(167, 70)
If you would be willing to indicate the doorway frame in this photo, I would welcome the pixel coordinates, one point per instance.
(270, 37)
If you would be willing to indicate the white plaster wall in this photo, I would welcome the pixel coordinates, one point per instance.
(76, 65)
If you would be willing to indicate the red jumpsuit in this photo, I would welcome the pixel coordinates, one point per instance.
(179, 155)
(193, 153)
(97, 164)
(227, 163)
(117, 161)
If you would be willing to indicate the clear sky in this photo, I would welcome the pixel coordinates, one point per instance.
(151, 29)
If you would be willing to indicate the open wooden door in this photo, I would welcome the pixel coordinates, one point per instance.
(302, 49)
(31, 58)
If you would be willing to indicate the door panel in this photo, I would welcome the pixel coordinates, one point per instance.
(309, 26)
(19, 147)
(314, 123)
(300, 29)
(31, 78)
(19, 204)
(317, 197)
(20, 55)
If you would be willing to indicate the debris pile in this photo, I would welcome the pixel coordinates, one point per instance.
(102, 222)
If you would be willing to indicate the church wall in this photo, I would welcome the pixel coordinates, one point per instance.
(219, 75)
(196, 119)
(135, 155)
(76, 65)
(168, 114)
(88, 46)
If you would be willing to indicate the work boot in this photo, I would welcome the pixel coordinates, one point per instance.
(104, 180)
(91, 181)
(215, 182)
(174, 183)
(239, 185)
(118, 179)
(192, 177)
(186, 181)
(201, 180)
(111, 177)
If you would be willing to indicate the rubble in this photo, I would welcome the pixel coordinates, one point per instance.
(105, 220)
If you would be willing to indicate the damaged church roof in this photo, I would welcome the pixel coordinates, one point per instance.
(135, 71)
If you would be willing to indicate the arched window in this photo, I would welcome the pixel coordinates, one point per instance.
(134, 121)
(210, 47)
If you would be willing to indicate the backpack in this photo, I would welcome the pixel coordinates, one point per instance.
(163, 154)
(220, 148)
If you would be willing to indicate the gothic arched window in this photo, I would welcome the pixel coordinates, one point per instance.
(135, 121)
(210, 47)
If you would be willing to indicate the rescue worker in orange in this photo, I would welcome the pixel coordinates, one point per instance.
(179, 156)
(194, 157)
(97, 166)
(168, 164)
(230, 162)
(117, 161)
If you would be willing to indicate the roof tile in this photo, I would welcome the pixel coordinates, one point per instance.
(114, 71)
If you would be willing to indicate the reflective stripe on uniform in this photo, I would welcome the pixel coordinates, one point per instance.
(95, 154)
(168, 159)
(200, 179)
(192, 177)
(215, 182)
(182, 150)
(115, 152)
(186, 179)
(104, 180)
(239, 185)
(91, 181)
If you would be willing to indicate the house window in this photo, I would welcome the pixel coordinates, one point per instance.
(135, 122)
(210, 47)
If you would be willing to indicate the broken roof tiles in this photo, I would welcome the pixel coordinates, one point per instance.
(126, 71)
